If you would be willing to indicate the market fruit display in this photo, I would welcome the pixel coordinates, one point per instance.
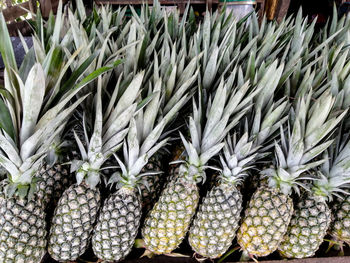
(126, 131)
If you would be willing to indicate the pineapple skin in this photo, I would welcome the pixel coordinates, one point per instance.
(265, 222)
(117, 225)
(73, 222)
(217, 221)
(308, 226)
(168, 222)
(340, 226)
(22, 229)
(55, 180)
(154, 182)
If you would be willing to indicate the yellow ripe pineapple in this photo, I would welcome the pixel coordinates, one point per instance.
(270, 209)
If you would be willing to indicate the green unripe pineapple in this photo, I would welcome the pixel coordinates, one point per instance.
(308, 226)
(217, 221)
(72, 214)
(73, 220)
(23, 232)
(215, 225)
(117, 225)
(35, 117)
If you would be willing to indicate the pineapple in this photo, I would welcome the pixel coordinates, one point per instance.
(308, 226)
(55, 177)
(77, 209)
(339, 228)
(312, 216)
(178, 154)
(152, 184)
(119, 220)
(217, 220)
(270, 209)
(23, 228)
(58, 178)
(167, 223)
(29, 125)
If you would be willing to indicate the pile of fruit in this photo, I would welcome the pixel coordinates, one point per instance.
(172, 129)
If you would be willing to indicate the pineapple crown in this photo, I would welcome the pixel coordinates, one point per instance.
(334, 177)
(34, 107)
(264, 120)
(36, 104)
(141, 143)
(238, 156)
(176, 76)
(109, 131)
(296, 151)
(223, 113)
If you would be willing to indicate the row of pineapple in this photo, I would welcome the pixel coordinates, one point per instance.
(88, 120)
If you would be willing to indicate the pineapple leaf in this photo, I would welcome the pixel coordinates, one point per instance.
(75, 165)
(171, 82)
(6, 120)
(282, 162)
(10, 149)
(211, 69)
(58, 24)
(6, 48)
(193, 157)
(156, 148)
(179, 93)
(157, 131)
(113, 146)
(315, 151)
(32, 100)
(95, 144)
(216, 111)
(30, 145)
(195, 136)
(130, 94)
(151, 111)
(9, 166)
(80, 146)
(208, 154)
(216, 135)
(78, 72)
(133, 144)
(119, 122)
(316, 136)
(113, 98)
